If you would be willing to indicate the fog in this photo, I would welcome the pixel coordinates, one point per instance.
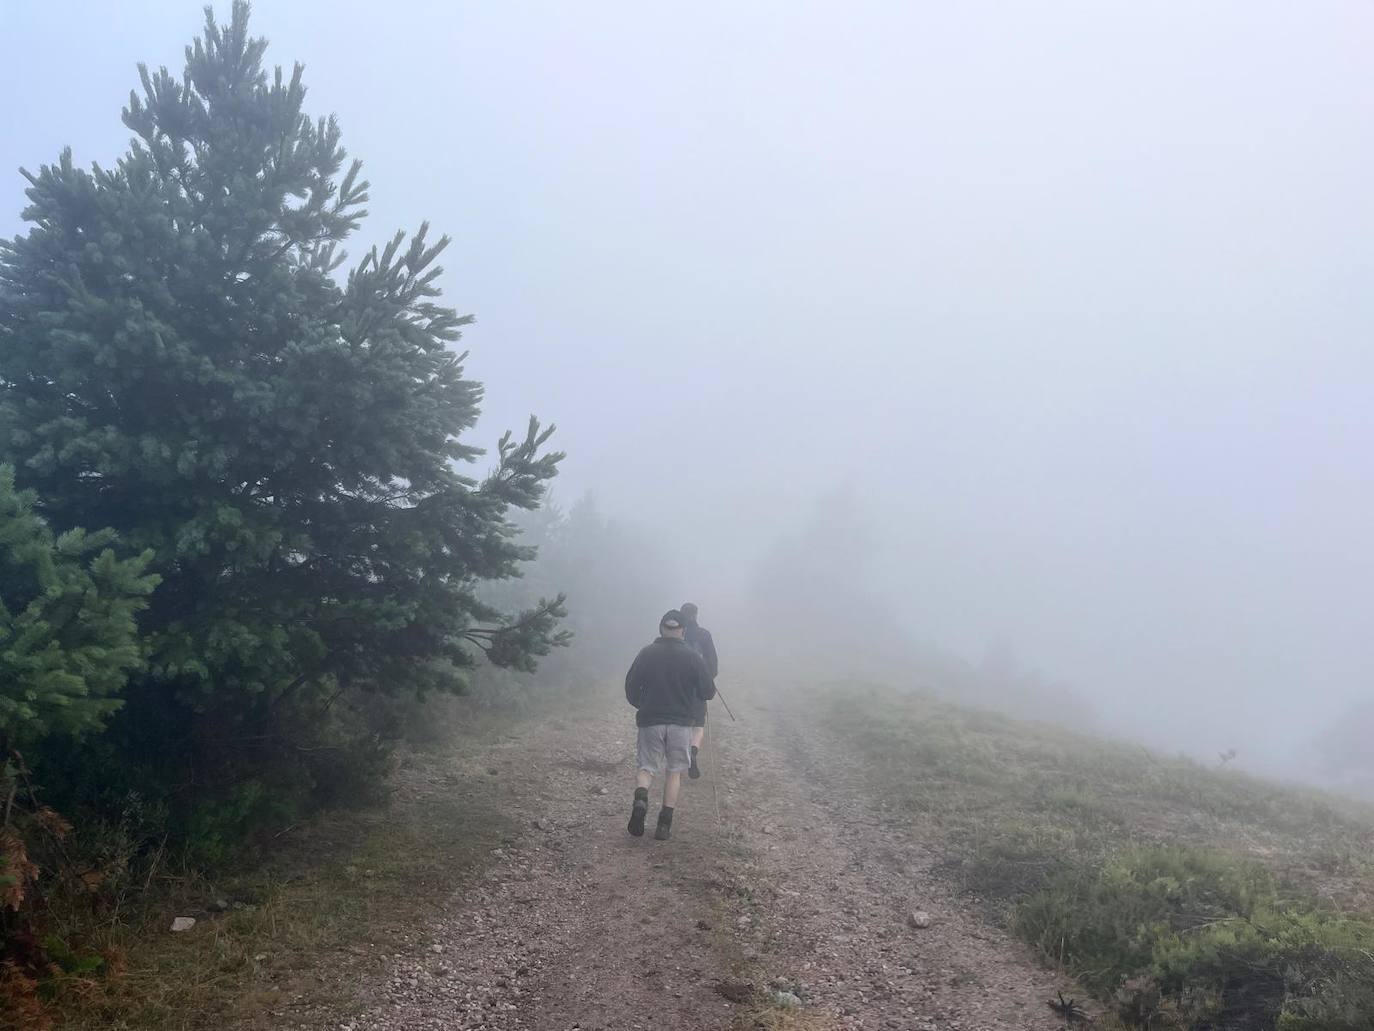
(1060, 310)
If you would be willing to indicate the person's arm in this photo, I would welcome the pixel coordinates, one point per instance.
(708, 652)
(633, 688)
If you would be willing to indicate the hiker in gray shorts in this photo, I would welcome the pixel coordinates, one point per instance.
(667, 683)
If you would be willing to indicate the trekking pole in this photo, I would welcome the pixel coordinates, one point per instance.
(727, 706)
(715, 771)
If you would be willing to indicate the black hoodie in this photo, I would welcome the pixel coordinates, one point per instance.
(668, 682)
(700, 639)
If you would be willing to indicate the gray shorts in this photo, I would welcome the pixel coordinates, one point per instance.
(664, 744)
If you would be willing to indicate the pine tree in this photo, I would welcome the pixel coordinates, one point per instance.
(67, 636)
(181, 360)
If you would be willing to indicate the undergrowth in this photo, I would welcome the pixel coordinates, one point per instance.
(98, 951)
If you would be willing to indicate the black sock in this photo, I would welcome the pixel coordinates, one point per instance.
(694, 751)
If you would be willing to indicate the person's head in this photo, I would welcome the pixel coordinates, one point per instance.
(672, 624)
(689, 612)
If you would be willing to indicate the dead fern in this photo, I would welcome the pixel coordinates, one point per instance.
(20, 1007)
(17, 871)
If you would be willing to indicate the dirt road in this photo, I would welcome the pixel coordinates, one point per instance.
(800, 887)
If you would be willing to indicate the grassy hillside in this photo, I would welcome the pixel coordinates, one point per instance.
(1181, 896)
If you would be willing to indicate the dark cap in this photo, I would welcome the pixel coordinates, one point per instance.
(689, 609)
(672, 620)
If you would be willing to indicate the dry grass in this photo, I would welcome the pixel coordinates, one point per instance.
(331, 896)
(773, 1018)
(353, 888)
(1183, 895)
(1022, 794)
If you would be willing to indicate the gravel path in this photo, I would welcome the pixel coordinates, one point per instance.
(844, 883)
(799, 887)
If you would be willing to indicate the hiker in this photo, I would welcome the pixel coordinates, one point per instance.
(667, 683)
(700, 639)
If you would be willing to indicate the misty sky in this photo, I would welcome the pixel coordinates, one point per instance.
(1075, 297)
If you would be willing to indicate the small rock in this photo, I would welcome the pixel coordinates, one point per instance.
(702, 925)
(438, 950)
(542, 825)
(787, 1000)
(919, 919)
(603, 791)
(769, 828)
(183, 923)
(261, 957)
(218, 905)
(492, 771)
(744, 921)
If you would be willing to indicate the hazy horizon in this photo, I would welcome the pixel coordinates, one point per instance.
(1070, 300)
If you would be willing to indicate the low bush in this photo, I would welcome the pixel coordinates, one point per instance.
(1129, 870)
(1183, 936)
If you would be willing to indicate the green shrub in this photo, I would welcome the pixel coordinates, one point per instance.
(216, 831)
(1209, 935)
(1122, 867)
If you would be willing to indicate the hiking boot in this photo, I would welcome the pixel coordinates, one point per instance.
(694, 771)
(664, 830)
(638, 812)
